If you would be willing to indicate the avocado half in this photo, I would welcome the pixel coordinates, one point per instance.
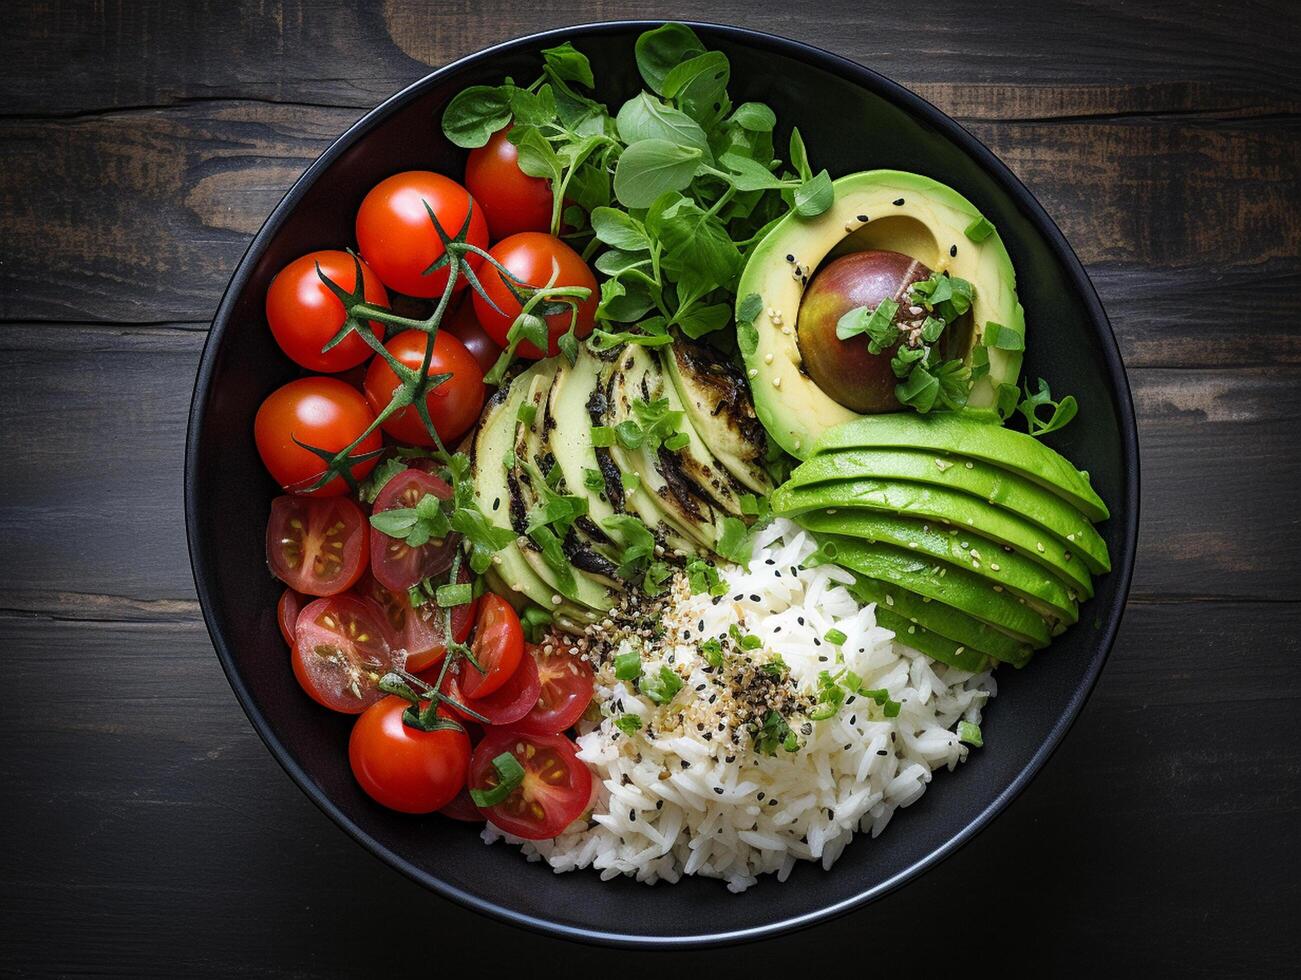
(875, 209)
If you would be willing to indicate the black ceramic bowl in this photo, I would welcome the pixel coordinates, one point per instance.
(852, 119)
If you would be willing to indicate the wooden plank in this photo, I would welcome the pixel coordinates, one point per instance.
(207, 859)
(123, 398)
(167, 201)
(340, 53)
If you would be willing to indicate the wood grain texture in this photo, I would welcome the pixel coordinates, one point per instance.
(141, 146)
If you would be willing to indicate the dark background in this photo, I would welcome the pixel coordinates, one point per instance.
(147, 830)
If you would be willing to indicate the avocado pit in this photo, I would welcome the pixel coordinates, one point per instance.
(847, 370)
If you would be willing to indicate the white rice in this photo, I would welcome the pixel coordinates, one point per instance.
(758, 814)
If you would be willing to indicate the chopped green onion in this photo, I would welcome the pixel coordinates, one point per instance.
(457, 594)
(509, 775)
(593, 480)
(676, 441)
(979, 229)
(627, 665)
(835, 637)
(602, 436)
(528, 412)
(630, 481)
(660, 687)
(535, 621)
(891, 709)
(628, 724)
(713, 652)
(970, 733)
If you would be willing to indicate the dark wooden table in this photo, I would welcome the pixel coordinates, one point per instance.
(147, 829)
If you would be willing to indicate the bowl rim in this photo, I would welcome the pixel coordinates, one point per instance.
(910, 103)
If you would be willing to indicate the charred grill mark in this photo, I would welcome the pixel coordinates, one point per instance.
(726, 387)
(613, 480)
(679, 485)
(518, 513)
(590, 528)
(689, 475)
(587, 560)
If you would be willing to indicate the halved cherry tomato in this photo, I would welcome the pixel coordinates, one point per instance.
(320, 412)
(556, 789)
(531, 257)
(566, 683)
(463, 808)
(287, 610)
(498, 647)
(304, 315)
(317, 546)
(504, 706)
(342, 647)
(512, 200)
(405, 768)
(462, 324)
(398, 239)
(393, 562)
(453, 406)
(419, 631)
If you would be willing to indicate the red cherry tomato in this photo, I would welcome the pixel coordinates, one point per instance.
(320, 412)
(316, 546)
(398, 239)
(304, 315)
(531, 257)
(504, 706)
(462, 324)
(512, 200)
(342, 647)
(393, 562)
(566, 683)
(287, 610)
(420, 631)
(462, 808)
(405, 768)
(453, 406)
(498, 647)
(556, 789)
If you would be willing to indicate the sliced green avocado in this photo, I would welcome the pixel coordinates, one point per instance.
(566, 616)
(964, 436)
(491, 444)
(955, 586)
(686, 522)
(959, 511)
(586, 590)
(942, 619)
(932, 644)
(998, 486)
(877, 209)
(569, 435)
(967, 550)
(718, 406)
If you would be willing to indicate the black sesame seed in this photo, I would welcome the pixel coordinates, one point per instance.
(761, 794)
(790, 258)
(708, 736)
(686, 764)
(862, 217)
(899, 203)
(632, 815)
(773, 802)
(853, 719)
(718, 790)
(659, 804)
(882, 752)
(754, 598)
(700, 687)
(496, 502)
(953, 250)
(729, 759)
(800, 620)
(770, 561)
